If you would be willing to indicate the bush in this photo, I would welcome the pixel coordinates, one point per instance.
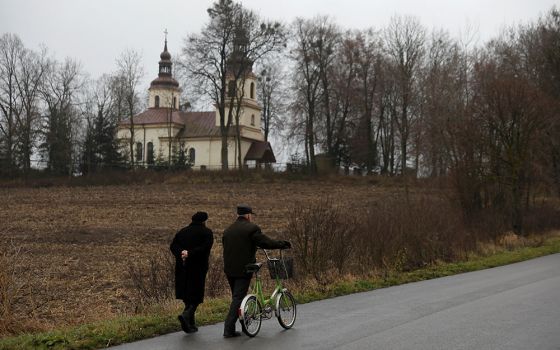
(322, 237)
(388, 234)
(153, 280)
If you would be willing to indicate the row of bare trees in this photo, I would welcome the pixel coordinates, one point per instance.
(404, 101)
(53, 115)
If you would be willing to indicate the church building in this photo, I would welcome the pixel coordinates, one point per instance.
(166, 130)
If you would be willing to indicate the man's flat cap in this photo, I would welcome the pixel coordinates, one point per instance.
(243, 209)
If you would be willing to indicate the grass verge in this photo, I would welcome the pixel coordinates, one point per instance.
(128, 329)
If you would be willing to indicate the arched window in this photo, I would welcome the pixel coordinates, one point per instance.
(174, 102)
(192, 155)
(150, 155)
(139, 151)
(157, 101)
(253, 120)
(252, 90)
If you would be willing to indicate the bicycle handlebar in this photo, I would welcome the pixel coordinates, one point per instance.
(268, 256)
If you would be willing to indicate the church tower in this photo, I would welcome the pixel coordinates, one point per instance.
(164, 91)
(246, 85)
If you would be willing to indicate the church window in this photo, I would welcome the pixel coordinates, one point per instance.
(150, 154)
(174, 102)
(252, 90)
(253, 120)
(192, 155)
(157, 101)
(139, 151)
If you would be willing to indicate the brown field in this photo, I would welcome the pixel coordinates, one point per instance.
(77, 242)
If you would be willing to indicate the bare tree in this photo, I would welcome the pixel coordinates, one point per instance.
(61, 122)
(517, 115)
(308, 46)
(368, 71)
(220, 57)
(341, 123)
(405, 45)
(128, 77)
(326, 48)
(11, 105)
(272, 95)
(29, 80)
(442, 101)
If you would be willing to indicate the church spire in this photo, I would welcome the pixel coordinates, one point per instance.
(165, 63)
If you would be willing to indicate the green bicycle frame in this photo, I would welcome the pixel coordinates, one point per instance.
(258, 292)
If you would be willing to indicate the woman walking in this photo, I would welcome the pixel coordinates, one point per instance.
(191, 248)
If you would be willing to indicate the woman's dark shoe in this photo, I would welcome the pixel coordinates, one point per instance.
(185, 321)
(192, 322)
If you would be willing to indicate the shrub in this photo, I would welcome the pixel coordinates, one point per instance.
(153, 280)
(323, 238)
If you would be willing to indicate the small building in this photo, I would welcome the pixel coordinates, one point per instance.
(164, 130)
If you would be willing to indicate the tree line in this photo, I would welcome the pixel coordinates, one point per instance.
(53, 114)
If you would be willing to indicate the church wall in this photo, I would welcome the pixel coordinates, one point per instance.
(245, 119)
(165, 97)
(150, 133)
(209, 152)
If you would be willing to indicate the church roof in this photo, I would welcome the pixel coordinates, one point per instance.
(261, 151)
(163, 81)
(197, 124)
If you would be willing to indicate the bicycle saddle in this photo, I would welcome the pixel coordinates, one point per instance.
(251, 268)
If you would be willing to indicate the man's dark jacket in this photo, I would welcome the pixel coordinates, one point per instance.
(240, 243)
(190, 276)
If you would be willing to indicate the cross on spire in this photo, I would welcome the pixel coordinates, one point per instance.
(165, 32)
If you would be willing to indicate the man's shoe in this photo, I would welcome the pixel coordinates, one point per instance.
(232, 334)
(184, 323)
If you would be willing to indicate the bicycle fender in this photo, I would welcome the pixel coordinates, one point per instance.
(277, 301)
(242, 307)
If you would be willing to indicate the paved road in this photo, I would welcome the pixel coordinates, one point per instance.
(510, 307)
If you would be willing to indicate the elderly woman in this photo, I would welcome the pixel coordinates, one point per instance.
(191, 248)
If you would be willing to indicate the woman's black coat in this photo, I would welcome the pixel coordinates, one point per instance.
(190, 275)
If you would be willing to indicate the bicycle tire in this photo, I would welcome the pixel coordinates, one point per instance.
(251, 316)
(286, 309)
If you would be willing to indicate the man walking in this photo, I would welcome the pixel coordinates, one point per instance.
(240, 242)
(191, 248)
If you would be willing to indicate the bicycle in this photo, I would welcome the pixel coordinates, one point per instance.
(255, 307)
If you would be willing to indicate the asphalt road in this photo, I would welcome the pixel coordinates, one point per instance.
(510, 307)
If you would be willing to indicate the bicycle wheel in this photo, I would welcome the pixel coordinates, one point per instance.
(286, 309)
(251, 315)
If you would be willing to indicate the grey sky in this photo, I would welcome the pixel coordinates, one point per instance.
(96, 31)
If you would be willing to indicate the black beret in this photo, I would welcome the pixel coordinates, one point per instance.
(200, 216)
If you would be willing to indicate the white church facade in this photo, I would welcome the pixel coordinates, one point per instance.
(164, 129)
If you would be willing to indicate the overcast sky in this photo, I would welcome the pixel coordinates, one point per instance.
(95, 32)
